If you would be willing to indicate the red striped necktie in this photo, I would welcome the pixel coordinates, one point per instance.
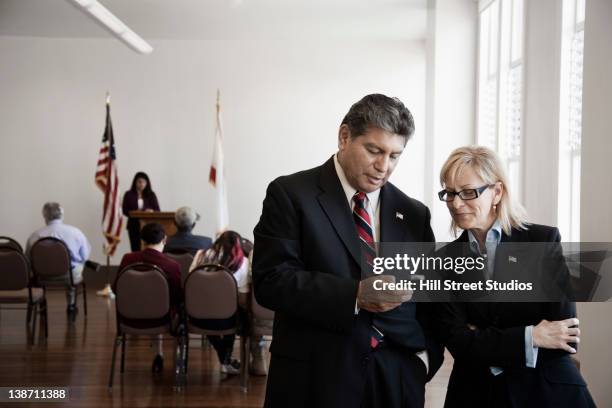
(364, 227)
(368, 249)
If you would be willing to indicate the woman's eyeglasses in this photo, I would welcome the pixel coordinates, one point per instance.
(467, 194)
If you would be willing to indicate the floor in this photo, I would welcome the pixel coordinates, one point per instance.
(78, 355)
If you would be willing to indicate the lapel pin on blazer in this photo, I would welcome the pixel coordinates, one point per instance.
(399, 215)
(512, 259)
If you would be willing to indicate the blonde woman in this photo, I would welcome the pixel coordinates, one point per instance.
(506, 354)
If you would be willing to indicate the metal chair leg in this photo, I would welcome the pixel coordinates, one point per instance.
(243, 366)
(112, 372)
(186, 353)
(46, 317)
(84, 298)
(33, 333)
(247, 362)
(31, 326)
(29, 314)
(179, 363)
(122, 353)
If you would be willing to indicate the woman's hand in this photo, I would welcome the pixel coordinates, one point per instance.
(557, 334)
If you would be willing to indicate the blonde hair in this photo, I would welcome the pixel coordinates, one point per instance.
(488, 166)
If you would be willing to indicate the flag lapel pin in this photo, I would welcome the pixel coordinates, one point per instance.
(399, 215)
(512, 259)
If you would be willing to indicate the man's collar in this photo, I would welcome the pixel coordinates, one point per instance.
(55, 221)
(349, 190)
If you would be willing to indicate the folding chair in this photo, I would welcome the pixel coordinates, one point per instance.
(8, 243)
(17, 292)
(143, 309)
(211, 294)
(51, 266)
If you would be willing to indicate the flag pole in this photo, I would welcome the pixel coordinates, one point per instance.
(217, 171)
(107, 291)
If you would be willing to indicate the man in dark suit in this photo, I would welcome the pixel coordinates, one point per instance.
(337, 342)
(185, 219)
(154, 239)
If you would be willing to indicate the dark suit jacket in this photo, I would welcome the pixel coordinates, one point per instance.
(170, 267)
(499, 341)
(306, 268)
(188, 242)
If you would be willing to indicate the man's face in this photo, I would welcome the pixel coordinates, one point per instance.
(368, 160)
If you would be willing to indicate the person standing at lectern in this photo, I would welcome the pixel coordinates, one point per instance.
(140, 197)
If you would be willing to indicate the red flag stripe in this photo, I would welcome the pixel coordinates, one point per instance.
(212, 176)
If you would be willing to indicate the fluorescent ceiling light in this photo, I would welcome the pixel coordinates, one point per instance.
(109, 21)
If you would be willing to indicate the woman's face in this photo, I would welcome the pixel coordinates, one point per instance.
(476, 214)
(141, 184)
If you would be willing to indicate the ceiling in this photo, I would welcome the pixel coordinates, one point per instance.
(223, 19)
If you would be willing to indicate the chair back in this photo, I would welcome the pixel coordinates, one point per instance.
(177, 251)
(50, 259)
(142, 292)
(14, 270)
(9, 244)
(211, 293)
(185, 260)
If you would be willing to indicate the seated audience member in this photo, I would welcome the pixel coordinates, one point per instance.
(154, 239)
(75, 240)
(227, 251)
(185, 219)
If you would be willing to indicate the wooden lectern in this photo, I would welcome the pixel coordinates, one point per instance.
(165, 218)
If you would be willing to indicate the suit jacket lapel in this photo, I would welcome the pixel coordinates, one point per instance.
(393, 227)
(333, 201)
(510, 256)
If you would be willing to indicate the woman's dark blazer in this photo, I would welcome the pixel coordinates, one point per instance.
(130, 203)
(499, 341)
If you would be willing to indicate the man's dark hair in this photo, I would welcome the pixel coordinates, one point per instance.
(379, 111)
(152, 234)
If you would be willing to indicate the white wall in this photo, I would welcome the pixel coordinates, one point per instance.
(282, 103)
(541, 118)
(596, 190)
(451, 86)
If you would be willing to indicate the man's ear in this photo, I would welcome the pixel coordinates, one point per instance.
(344, 135)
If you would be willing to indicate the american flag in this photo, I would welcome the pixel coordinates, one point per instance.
(107, 181)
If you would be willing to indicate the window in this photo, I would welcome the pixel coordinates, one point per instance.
(488, 76)
(500, 83)
(570, 126)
